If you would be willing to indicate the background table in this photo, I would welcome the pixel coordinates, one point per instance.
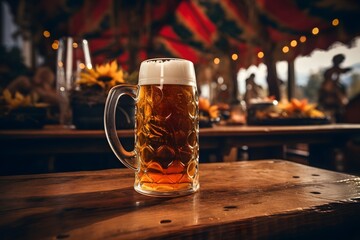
(320, 138)
(65, 147)
(255, 199)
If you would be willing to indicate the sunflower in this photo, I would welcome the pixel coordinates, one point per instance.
(105, 75)
(19, 100)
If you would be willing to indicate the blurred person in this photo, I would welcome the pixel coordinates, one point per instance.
(253, 90)
(332, 93)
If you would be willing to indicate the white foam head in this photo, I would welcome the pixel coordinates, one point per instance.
(167, 71)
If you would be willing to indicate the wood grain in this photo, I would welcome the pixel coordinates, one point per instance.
(257, 199)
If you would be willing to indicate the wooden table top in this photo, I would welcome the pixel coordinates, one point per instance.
(255, 199)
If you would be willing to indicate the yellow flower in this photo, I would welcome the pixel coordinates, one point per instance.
(106, 76)
(300, 108)
(18, 100)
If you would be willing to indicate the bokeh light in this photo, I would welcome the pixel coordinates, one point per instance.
(315, 31)
(234, 57)
(335, 22)
(285, 49)
(302, 39)
(55, 45)
(293, 43)
(46, 34)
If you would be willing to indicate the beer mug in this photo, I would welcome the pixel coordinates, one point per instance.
(166, 154)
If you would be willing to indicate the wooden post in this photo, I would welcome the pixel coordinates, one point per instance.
(234, 97)
(272, 78)
(291, 79)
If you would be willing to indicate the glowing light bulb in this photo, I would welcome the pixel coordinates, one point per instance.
(293, 43)
(234, 57)
(260, 54)
(285, 49)
(55, 45)
(81, 65)
(315, 31)
(335, 22)
(216, 60)
(302, 39)
(46, 34)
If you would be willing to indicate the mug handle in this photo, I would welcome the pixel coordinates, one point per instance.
(126, 157)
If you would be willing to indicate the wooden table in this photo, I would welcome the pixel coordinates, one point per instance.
(256, 199)
(54, 142)
(321, 140)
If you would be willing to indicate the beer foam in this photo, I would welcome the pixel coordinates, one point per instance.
(167, 71)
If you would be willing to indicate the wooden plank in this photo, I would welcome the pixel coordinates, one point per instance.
(258, 199)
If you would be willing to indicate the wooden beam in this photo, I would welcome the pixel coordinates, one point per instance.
(291, 80)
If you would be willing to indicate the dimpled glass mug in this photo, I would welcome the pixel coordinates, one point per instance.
(166, 154)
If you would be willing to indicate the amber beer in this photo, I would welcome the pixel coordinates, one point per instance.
(167, 138)
(166, 154)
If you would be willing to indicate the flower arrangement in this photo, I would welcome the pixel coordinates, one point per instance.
(90, 93)
(20, 110)
(17, 100)
(295, 108)
(104, 76)
(208, 114)
(93, 85)
(206, 108)
(300, 109)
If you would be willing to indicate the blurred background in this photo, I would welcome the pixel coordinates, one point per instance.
(258, 62)
(286, 44)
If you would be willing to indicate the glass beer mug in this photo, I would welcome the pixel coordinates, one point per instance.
(166, 154)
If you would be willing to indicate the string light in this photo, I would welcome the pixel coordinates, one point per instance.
(293, 43)
(216, 60)
(55, 45)
(260, 54)
(302, 39)
(46, 34)
(81, 65)
(335, 22)
(75, 45)
(315, 30)
(285, 49)
(234, 57)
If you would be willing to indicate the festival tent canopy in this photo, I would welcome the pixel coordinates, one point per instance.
(199, 30)
(283, 29)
